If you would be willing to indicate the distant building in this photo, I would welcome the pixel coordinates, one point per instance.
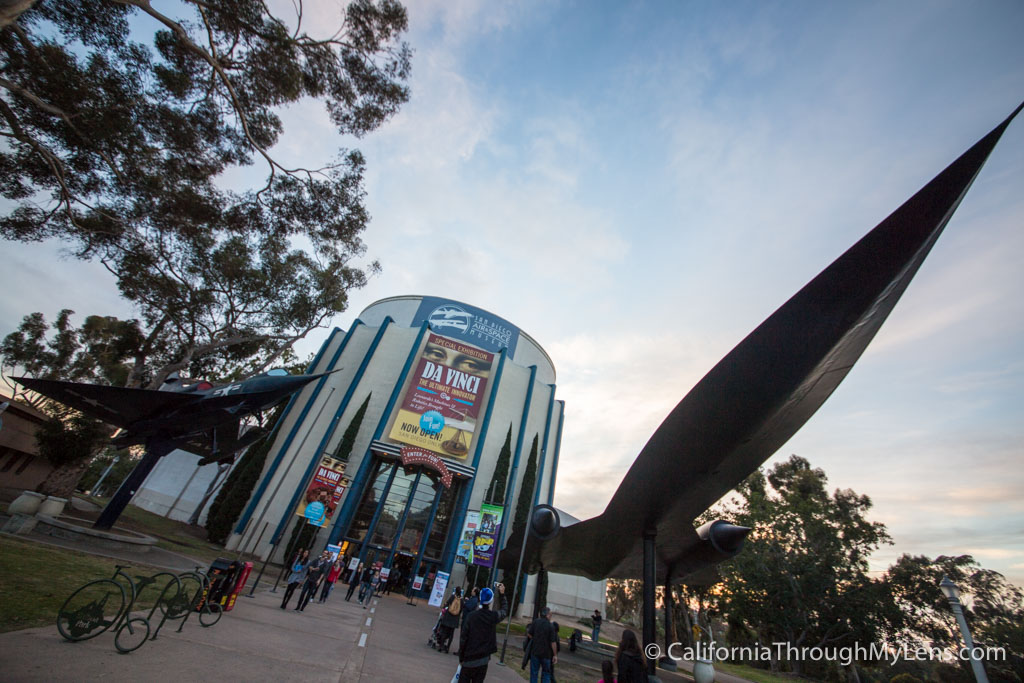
(21, 466)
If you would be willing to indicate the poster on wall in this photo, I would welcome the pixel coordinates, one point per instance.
(323, 493)
(486, 537)
(442, 402)
(465, 551)
(437, 594)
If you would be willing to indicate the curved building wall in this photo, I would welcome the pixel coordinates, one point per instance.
(389, 356)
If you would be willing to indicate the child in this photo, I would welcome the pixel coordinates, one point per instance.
(607, 676)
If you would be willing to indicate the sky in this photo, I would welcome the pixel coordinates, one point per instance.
(637, 185)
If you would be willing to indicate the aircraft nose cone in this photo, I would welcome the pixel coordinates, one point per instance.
(544, 522)
(728, 538)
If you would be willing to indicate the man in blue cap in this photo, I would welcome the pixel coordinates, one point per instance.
(478, 640)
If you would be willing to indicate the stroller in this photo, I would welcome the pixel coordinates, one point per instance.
(434, 641)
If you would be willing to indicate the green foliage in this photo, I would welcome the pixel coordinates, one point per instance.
(904, 678)
(524, 504)
(227, 507)
(69, 438)
(122, 148)
(994, 608)
(348, 439)
(98, 465)
(802, 577)
(623, 600)
(496, 489)
(541, 595)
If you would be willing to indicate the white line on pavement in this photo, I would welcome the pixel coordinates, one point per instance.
(369, 620)
(362, 640)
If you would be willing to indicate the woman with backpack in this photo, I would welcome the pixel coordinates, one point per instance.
(450, 620)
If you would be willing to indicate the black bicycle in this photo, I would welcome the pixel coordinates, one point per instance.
(106, 603)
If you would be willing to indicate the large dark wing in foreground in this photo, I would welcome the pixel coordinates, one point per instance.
(114, 405)
(762, 392)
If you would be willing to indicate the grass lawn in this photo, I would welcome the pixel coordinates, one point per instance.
(36, 579)
(171, 535)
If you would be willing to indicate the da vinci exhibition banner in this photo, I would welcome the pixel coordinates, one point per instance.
(442, 402)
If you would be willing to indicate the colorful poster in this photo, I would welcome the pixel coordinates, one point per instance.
(486, 537)
(465, 551)
(334, 550)
(324, 492)
(443, 399)
(440, 585)
(417, 583)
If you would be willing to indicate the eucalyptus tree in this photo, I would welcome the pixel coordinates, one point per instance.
(124, 121)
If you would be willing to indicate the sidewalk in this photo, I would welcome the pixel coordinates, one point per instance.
(257, 641)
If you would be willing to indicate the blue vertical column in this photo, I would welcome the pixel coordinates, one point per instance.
(348, 508)
(405, 516)
(510, 490)
(426, 537)
(315, 460)
(462, 505)
(558, 449)
(376, 513)
(257, 495)
(544, 446)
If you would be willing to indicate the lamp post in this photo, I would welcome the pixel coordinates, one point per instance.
(953, 595)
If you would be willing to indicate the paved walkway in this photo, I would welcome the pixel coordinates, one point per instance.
(257, 641)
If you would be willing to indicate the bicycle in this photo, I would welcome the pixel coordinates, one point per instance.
(209, 612)
(84, 614)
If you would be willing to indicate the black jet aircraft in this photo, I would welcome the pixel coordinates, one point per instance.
(200, 417)
(747, 407)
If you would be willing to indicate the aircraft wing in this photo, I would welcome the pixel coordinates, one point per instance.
(118, 406)
(759, 395)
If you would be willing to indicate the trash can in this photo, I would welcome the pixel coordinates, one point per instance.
(221, 574)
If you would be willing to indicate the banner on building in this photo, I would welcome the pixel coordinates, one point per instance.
(437, 594)
(442, 402)
(467, 323)
(485, 539)
(465, 552)
(324, 492)
(413, 455)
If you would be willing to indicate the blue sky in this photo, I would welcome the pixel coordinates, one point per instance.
(638, 185)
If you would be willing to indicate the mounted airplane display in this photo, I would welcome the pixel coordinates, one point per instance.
(200, 417)
(749, 405)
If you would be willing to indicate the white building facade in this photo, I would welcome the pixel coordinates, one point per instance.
(444, 384)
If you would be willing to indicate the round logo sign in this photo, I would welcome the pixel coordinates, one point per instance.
(450, 317)
(432, 422)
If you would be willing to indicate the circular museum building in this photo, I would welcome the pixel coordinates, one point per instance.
(434, 420)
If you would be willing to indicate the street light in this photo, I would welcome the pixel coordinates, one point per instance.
(953, 595)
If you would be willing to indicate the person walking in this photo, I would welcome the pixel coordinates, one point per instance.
(469, 604)
(332, 578)
(478, 640)
(371, 588)
(543, 647)
(596, 619)
(365, 581)
(314, 575)
(629, 660)
(450, 620)
(354, 579)
(298, 571)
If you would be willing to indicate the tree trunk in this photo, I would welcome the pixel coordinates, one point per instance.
(61, 482)
(222, 469)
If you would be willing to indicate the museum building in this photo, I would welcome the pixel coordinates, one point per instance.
(432, 388)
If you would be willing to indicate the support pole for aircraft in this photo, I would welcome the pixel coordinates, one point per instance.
(650, 583)
(666, 661)
(155, 449)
